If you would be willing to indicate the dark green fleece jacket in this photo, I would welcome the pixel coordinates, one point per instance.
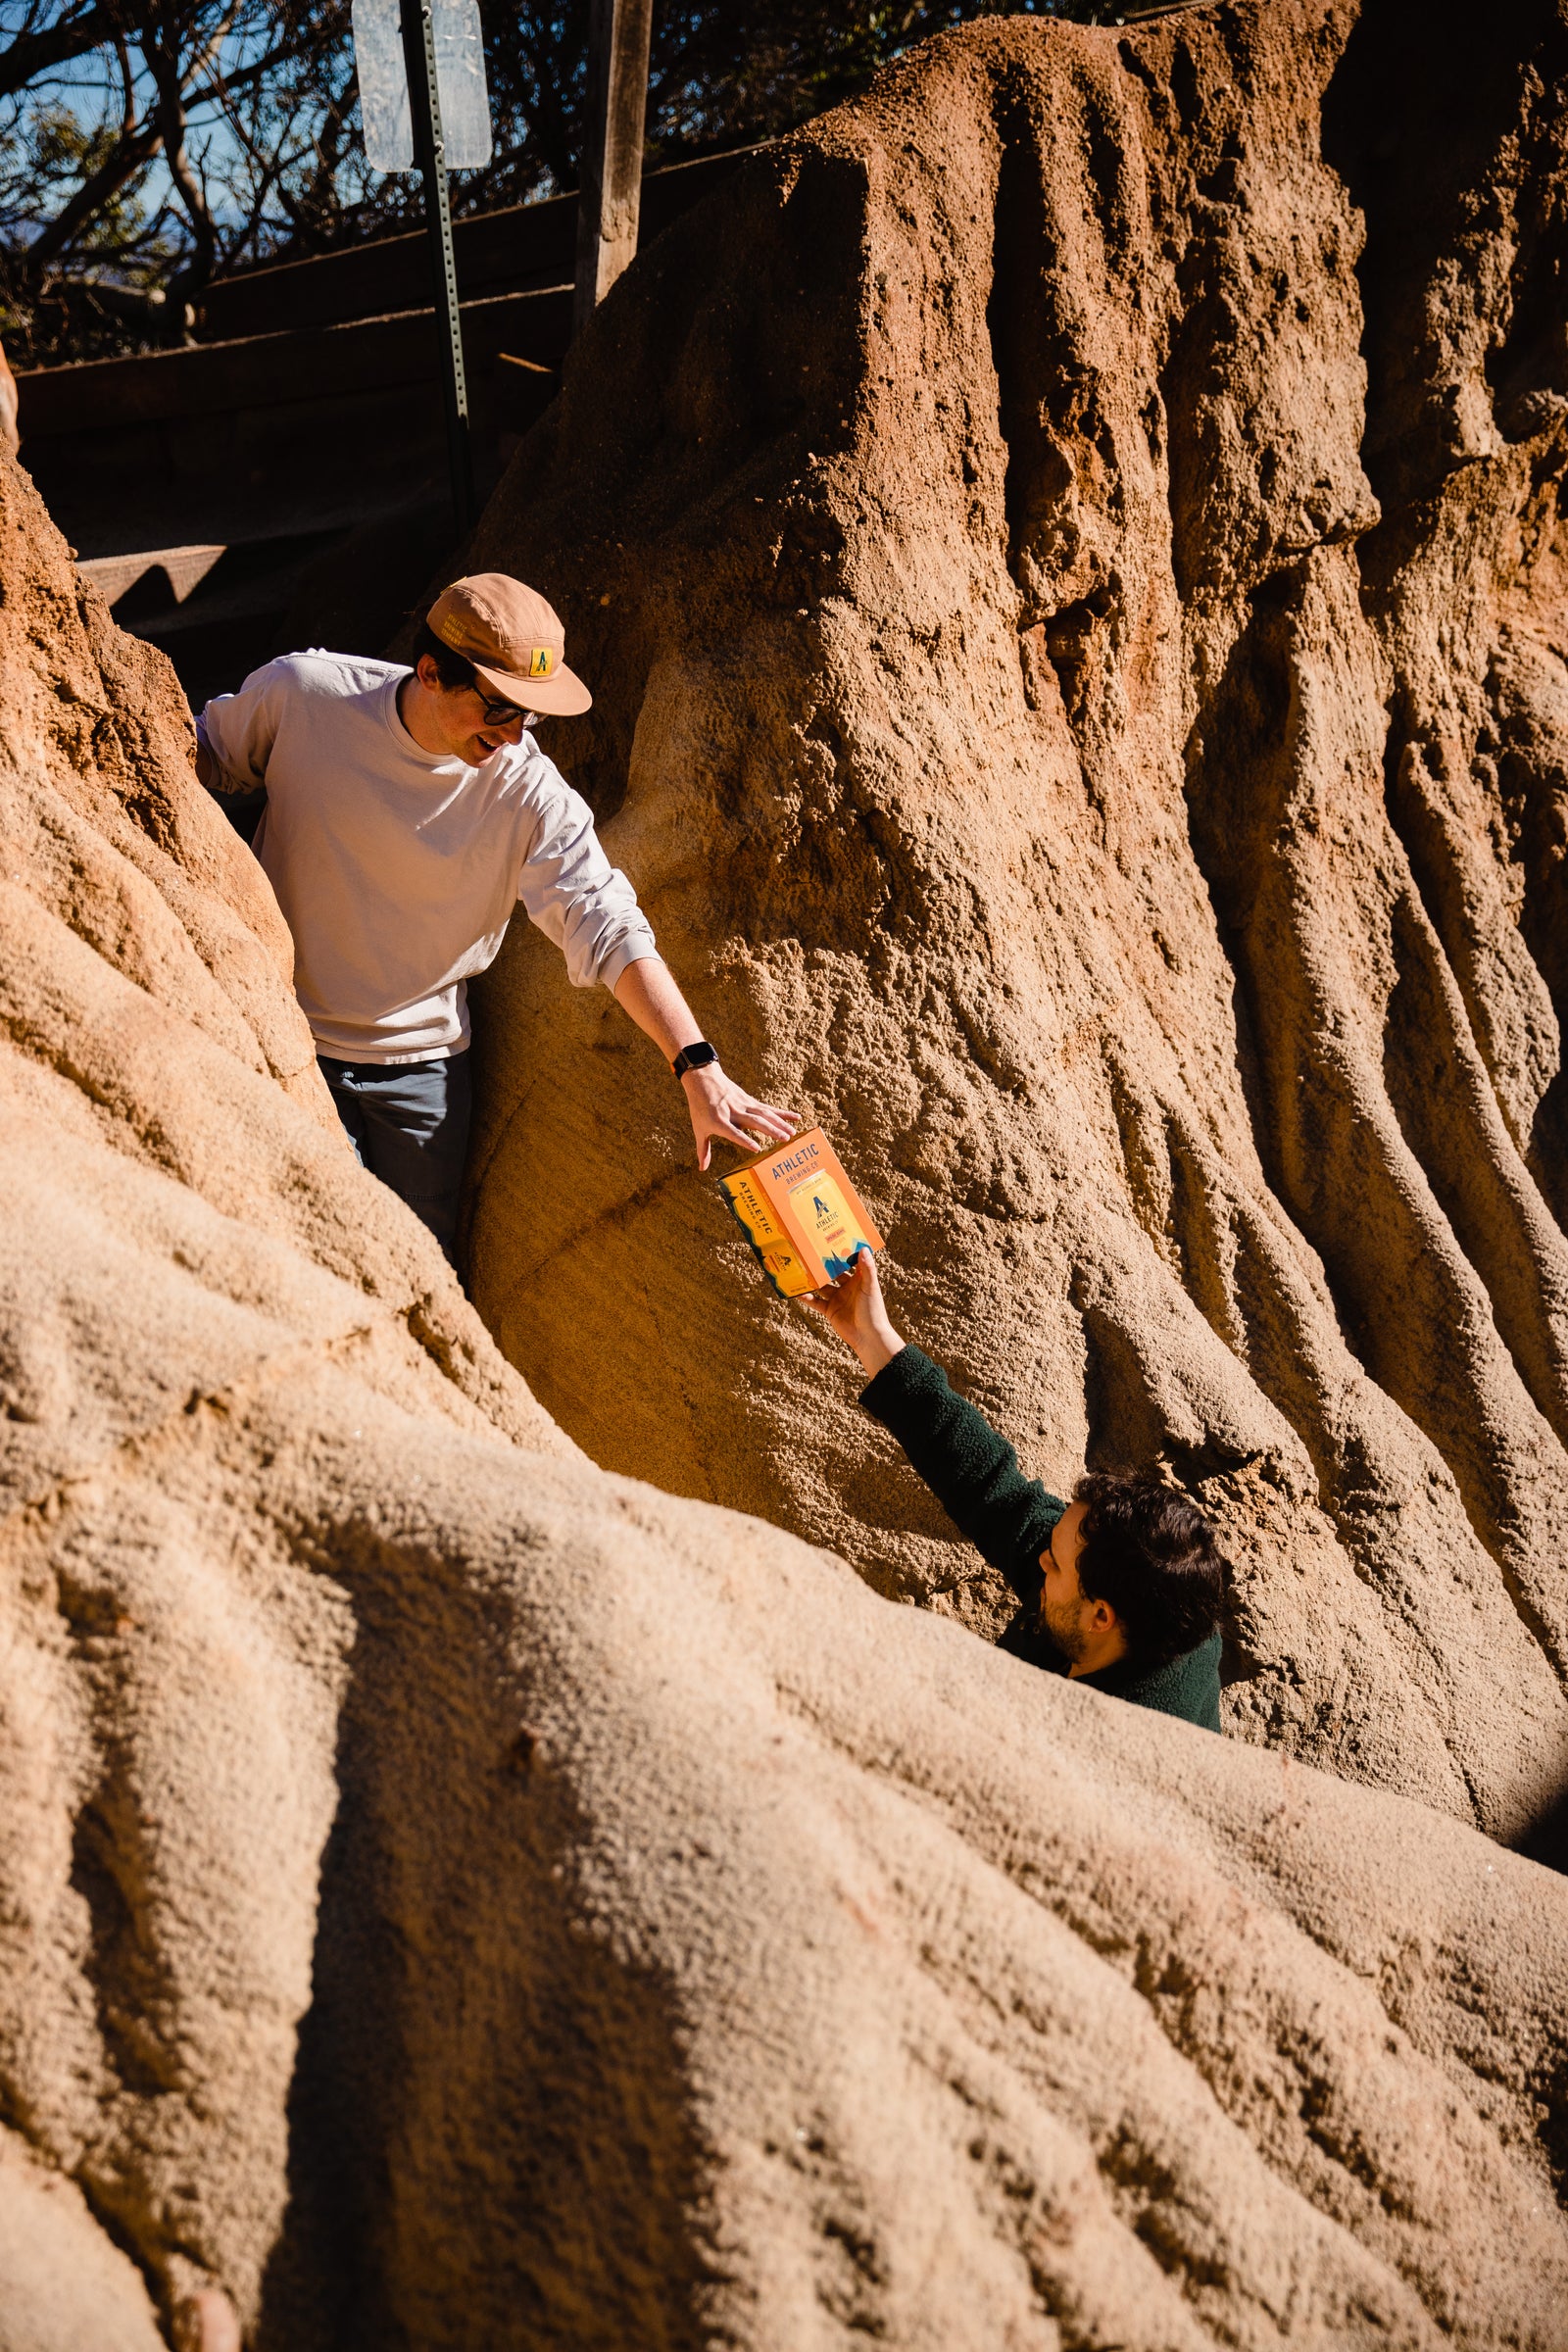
(974, 1475)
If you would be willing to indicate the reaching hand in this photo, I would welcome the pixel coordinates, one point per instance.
(720, 1107)
(854, 1309)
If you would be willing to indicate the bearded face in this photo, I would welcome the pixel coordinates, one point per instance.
(1080, 1628)
(1063, 1620)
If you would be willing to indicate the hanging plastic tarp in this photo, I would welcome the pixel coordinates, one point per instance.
(384, 83)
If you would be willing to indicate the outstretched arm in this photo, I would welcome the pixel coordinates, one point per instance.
(718, 1106)
(972, 1471)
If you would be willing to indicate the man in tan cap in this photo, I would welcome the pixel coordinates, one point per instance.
(408, 811)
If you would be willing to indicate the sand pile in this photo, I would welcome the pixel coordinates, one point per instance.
(1070, 556)
(450, 1895)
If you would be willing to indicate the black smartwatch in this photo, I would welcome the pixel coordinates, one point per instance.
(694, 1058)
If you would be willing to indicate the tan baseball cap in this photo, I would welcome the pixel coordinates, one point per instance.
(515, 641)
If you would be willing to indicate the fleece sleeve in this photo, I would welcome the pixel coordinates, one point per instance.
(971, 1470)
(577, 899)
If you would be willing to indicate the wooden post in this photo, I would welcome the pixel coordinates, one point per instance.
(610, 193)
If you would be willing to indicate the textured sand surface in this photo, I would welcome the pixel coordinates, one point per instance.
(1070, 557)
(451, 1895)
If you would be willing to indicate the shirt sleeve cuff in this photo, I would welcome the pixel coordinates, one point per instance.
(635, 949)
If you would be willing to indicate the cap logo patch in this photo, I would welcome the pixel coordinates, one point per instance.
(541, 661)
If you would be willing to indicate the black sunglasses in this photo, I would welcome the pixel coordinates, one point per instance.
(502, 714)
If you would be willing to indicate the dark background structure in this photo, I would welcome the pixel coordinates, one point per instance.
(222, 318)
(149, 149)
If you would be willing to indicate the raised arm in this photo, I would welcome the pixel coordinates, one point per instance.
(971, 1469)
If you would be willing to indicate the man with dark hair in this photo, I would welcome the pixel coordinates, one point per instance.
(408, 810)
(1122, 1587)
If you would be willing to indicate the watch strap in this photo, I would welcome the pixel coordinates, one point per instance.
(696, 1057)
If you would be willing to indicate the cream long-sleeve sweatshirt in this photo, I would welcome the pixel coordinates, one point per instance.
(397, 872)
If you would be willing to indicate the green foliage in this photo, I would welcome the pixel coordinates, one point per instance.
(62, 152)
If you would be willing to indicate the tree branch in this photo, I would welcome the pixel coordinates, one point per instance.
(168, 114)
(73, 33)
(129, 154)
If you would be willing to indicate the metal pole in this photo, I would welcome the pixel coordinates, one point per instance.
(429, 155)
(610, 179)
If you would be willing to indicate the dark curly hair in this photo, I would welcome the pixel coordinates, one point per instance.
(1151, 1554)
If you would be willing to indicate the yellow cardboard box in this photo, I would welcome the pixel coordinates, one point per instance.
(800, 1212)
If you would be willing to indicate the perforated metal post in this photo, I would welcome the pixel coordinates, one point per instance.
(429, 156)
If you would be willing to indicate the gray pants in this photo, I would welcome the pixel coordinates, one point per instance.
(409, 1124)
